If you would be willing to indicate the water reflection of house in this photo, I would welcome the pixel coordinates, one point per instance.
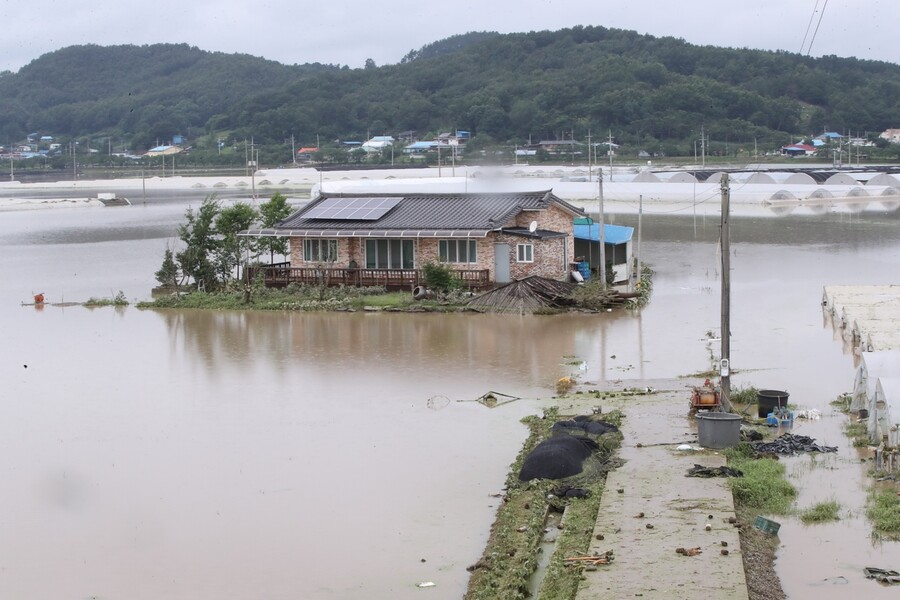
(385, 239)
(616, 242)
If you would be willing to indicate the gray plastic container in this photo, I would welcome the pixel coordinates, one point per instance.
(769, 400)
(718, 430)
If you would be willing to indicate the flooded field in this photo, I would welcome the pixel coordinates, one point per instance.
(231, 455)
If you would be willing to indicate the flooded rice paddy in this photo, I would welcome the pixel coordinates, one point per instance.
(192, 454)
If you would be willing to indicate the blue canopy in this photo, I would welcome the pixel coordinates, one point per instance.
(612, 234)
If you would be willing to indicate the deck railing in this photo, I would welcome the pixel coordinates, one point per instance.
(281, 275)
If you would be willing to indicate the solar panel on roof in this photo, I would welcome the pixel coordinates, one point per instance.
(352, 209)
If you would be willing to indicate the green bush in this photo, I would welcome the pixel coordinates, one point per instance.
(439, 277)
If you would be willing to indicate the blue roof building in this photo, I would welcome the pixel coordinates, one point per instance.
(617, 241)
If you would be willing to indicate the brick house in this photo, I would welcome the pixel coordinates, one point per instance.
(385, 239)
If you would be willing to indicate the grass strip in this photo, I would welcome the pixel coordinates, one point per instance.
(562, 581)
(822, 512)
(510, 557)
(762, 489)
(763, 486)
(883, 511)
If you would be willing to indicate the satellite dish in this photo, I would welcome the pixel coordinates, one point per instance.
(533, 227)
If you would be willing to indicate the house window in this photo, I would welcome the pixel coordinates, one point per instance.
(457, 251)
(319, 250)
(389, 254)
(524, 252)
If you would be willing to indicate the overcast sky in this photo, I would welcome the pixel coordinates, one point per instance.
(347, 32)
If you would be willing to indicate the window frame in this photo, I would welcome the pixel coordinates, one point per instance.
(445, 246)
(375, 247)
(330, 245)
(527, 250)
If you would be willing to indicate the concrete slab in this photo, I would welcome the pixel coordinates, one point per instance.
(678, 508)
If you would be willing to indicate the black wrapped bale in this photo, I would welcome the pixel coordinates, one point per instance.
(557, 457)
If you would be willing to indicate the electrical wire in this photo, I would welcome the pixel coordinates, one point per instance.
(809, 25)
(822, 14)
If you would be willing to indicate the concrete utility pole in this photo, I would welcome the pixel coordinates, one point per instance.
(636, 275)
(725, 362)
(609, 151)
(601, 235)
(589, 154)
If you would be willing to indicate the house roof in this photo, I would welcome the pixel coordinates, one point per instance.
(612, 234)
(422, 215)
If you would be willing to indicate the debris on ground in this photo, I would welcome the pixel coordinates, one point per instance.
(689, 551)
(789, 444)
(595, 559)
(882, 575)
(723, 471)
(688, 448)
(568, 491)
(813, 414)
(425, 584)
(751, 435)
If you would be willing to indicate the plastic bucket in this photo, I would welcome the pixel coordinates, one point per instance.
(769, 400)
(718, 430)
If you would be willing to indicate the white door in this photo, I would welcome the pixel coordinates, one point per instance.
(501, 263)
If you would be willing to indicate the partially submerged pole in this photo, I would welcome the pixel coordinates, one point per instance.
(725, 362)
(601, 235)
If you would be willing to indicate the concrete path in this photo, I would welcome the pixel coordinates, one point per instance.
(678, 508)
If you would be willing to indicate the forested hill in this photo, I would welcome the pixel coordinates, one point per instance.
(502, 88)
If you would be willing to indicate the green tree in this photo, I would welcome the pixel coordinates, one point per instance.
(200, 244)
(229, 222)
(168, 272)
(271, 212)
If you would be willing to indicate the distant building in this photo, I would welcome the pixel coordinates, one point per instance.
(163, 151)
(830, 136)
(798, 150)
(378, 143)
(306, 154)
(891, 135)
(419, 147)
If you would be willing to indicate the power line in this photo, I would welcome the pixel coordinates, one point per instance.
(809, 25)
(822, 14)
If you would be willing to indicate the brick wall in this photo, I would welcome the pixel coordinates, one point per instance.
(552, 257)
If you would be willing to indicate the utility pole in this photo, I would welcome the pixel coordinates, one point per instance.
(252, 166)
(725, 362)
(293, 151)
(609, 151)
(637, 257)
(702, 147)
(589, 154)
(601, 235)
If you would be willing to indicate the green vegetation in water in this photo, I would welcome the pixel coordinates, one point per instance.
(821, 512)
(842, 403)
(644, 286)
(763, 486)
(510, 557)
(858, 434)
(883, 511)
(744, 395)
(304, 298)
(117, 300)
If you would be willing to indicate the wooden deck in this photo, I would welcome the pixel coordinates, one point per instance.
(281, 275)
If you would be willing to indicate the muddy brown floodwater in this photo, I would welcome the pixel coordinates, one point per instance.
(231, 455)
